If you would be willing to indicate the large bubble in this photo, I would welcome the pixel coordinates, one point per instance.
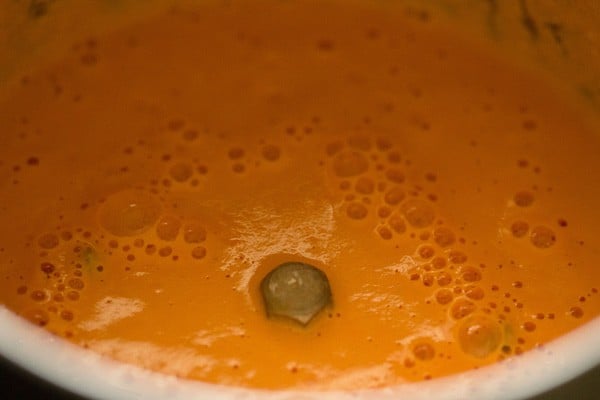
(129, 212)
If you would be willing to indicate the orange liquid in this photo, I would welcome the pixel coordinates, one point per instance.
(155, 175)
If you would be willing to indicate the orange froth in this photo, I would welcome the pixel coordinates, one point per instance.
(446, 192)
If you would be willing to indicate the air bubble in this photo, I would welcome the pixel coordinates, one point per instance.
(474, 292)
(384, 233)
(384, 212)
(48, 241)
(168, 227)
(444, 279)
(426, 252)
(235, 153)
(199, 252)
(479, 336)
(418, 213)
(470, 274)
(576, 312)
(443, 236)
(150, 249)
(428, 279)
(439, 263)
(444, 296)
(529, 326)
(129, 213)
(542, 237)
(364, 185)
(396, 222)
(47, 268)
(523, 199)
(356, 210)
(181, 172)
(519, 229)
(165, 251)
(457, 257)
(350, 163)
(271, 152)
(394, 196)
(461, 308)
(194, 232)
(423, 351)
(38, 296)
(76, 284)
(394, 175)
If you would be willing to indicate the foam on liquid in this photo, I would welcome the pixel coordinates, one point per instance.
(152, 177)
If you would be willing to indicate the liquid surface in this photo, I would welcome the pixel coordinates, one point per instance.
(153, 177)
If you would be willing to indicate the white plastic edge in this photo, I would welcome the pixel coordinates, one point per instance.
(90, 375)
